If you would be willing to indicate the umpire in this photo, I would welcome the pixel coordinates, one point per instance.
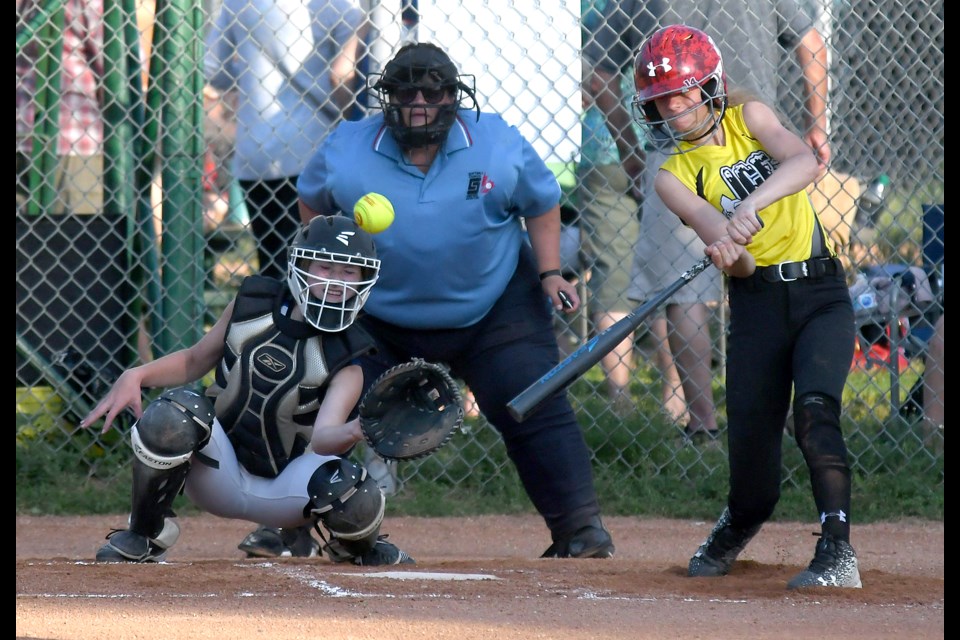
(459, 281)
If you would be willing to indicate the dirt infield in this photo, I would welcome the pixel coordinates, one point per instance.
(475, 578)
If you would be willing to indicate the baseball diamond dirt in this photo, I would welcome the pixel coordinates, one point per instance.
(475, 578)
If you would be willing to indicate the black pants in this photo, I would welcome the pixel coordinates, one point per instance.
(787, 337)
(274, 219)
(499, 357)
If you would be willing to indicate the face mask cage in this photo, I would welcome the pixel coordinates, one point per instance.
(667, 139)
(327, 303)
(464, 92)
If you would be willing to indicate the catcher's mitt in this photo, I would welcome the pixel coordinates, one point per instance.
(411, 410)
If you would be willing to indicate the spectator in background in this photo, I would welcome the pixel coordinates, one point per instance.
(78, 179)
(292, 64)
(753, 36)
(609, 222)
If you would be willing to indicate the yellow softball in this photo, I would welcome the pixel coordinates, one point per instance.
(373, 212)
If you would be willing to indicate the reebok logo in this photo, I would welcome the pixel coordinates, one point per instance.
(270, 362)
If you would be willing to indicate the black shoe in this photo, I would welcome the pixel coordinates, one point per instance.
(124, 545)
(591, 541)
(271, 542)
(834, 564)
(719, 551)
(383, 553)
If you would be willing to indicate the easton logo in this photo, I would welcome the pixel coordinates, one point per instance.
(344, 237)
(652, 68)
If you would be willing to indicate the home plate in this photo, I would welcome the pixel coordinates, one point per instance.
(424, 575)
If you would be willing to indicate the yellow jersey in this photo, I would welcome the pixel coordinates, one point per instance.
(725, 175)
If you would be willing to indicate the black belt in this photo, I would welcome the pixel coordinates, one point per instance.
(812, 268)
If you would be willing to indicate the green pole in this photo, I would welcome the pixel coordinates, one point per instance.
(37, 21)
(46, 127)
(118, 119)
(183, 241)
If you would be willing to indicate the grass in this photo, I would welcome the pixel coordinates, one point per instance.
(638, 470)
(55, 485)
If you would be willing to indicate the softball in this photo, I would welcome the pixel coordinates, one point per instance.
(373, 213)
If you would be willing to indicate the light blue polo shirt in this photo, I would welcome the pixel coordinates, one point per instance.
(455, 241)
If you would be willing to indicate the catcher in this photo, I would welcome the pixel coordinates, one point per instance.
(409, 412)
(257, 445)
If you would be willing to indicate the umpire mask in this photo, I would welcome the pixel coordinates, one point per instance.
(426, 68)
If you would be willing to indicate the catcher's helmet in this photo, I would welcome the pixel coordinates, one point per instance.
(422, 65)
(331, 304)
(674, 59)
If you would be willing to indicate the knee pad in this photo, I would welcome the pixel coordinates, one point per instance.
(814, 410)
(816, 420)
(348, 502)
(172, 428)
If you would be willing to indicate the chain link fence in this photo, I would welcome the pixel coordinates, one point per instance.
(133, 231)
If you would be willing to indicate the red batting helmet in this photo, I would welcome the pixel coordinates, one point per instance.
(677, 58)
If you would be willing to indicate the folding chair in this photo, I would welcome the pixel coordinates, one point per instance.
(920, 334)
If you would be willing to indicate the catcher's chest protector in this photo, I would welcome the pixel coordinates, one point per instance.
(273, 376)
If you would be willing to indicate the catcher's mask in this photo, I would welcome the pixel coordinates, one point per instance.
(331, 268)
(425, 67)
(675, 59)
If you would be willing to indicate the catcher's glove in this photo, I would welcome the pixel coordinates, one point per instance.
(411, 410)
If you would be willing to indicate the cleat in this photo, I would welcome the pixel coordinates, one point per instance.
(272, 542)
(591, 541)
(124, 545)
(834, 564)
(719, 551)
(383, 553)
(702, 565)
